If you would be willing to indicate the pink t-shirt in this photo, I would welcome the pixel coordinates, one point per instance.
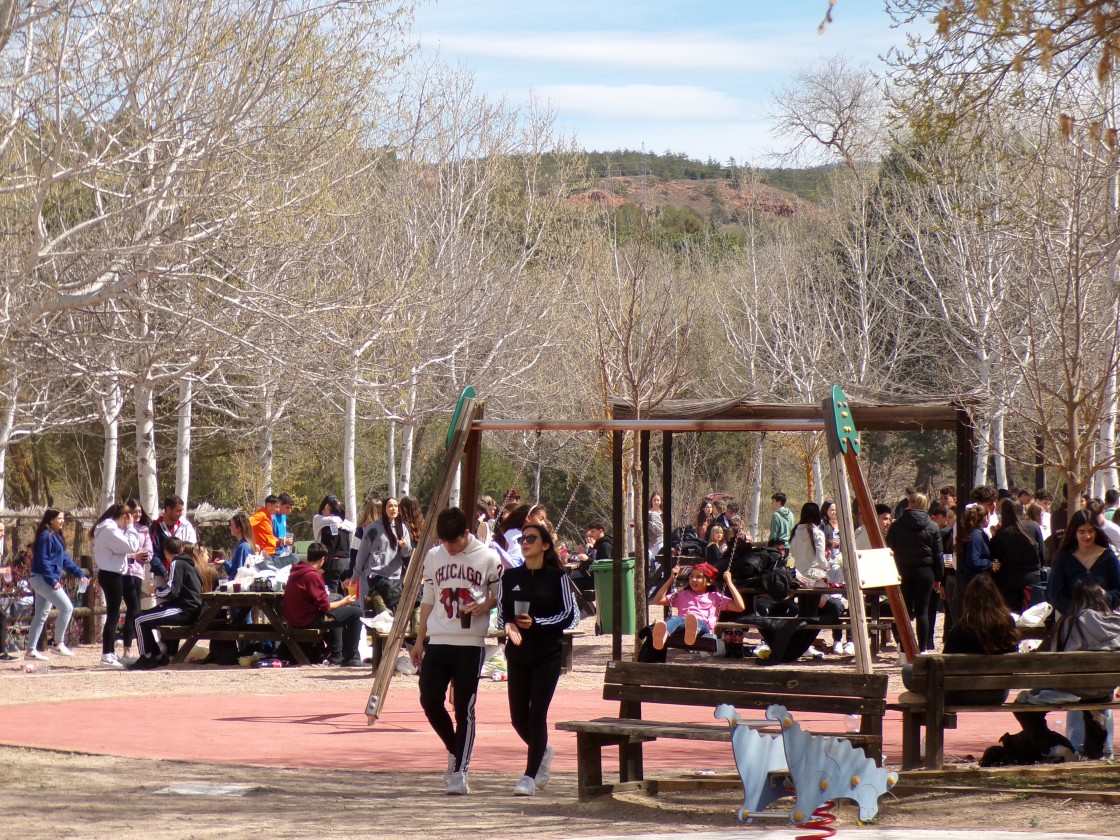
(705, 606)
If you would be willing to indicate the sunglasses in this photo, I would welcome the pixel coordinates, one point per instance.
(529, 540)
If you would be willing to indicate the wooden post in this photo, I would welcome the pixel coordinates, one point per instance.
(966, 455)
(641, 582)
(414, 577)
(667, 497)
(617, 502)
(469, 489)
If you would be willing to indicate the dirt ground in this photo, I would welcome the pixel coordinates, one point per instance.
(52, 794)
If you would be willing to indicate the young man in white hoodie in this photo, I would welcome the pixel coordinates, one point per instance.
(460, 587)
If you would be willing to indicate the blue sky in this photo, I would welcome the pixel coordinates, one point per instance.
(695, 77)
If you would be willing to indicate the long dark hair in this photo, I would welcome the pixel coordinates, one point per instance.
(1080, 520)
(975, 516)
(810, 515)
(1087, 595)
(134, 505)
(1011, 517)
(332, 503)
(984, 612)
(514, 520)
(412, 515)
(114, 511)
(551, 558)
(45, 523)
(394, 528)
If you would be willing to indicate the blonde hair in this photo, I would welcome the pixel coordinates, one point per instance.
(371, 510)
(919, 501)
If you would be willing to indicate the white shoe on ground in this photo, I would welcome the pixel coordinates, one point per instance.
(525, 786)
(838, 648)
(849, 648)
(450, 769)
(109, 660)
(544, 772)
(457, 784)
(34, 654)
(815, 653)
(61, 649)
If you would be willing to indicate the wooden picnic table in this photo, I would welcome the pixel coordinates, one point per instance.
(209, 626)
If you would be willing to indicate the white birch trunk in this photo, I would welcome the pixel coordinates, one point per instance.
(183, 440)
(818, 481)
(755, 505)
(1110, 476)
(998, 449)
(408, 440)
(349, 440)
(146, 447)
(110, 455)
(391, 454)
(6, 430)
(456, 487)
(980, 476)
(265, 446)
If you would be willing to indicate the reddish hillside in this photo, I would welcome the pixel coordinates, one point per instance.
(706, 197)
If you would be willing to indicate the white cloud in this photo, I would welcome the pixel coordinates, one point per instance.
(651, 102)
(677, 51)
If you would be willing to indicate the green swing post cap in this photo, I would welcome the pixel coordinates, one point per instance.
(468, 394)
(842, 418)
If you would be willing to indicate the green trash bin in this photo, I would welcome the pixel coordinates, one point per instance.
(603, 571)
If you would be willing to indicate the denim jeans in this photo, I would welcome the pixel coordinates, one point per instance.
(46, 596)
(677, 623)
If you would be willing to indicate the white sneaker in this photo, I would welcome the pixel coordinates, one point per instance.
(61, 649)
(838, 648)
(544, 772)
(450, 769)
(815, 653)
(525, 786)
(457, 784)
(109, 660)
(34, 654)
(849, 648)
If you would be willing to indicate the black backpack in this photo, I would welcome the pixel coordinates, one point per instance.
(337, 545)
(687, 543)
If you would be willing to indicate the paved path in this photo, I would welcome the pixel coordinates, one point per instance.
(293, 730)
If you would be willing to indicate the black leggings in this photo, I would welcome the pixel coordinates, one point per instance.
(917, 588)
(112, 586)
(133, 587)
(532, 682)
(441, 665)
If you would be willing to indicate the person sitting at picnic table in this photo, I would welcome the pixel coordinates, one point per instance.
(180, 604)
(698, 607)
(306, 604)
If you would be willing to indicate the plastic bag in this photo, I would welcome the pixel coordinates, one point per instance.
(1035, 616)
(495, 663)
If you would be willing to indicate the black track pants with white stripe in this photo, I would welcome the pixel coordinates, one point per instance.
(443, 664)
(148, 620)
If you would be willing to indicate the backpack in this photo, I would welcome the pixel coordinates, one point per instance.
(337, 545)
(686, 541)
(776, 583)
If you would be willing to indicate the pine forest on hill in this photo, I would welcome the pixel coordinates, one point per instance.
(278, 270)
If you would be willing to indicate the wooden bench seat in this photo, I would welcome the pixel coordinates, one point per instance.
(1080, 672)
(243, 633)
(634, 684)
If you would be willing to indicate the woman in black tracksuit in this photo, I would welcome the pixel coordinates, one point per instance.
(536, 605)
(1017, 547)
(916, 542)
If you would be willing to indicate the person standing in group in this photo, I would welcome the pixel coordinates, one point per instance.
(331, 528)
(385, 545)
(115, 547)
(371, 512)
(536, 605)
(781, 520)
(460, 587)
(173, 523)
(137, 572)
(507, 533)
(1017, 547)
(49, 562)
(1084, 553)
(412, 515)
(916, 542)
(261, 523)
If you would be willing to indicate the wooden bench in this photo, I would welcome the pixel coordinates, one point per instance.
(635, 683)
(1080, 672)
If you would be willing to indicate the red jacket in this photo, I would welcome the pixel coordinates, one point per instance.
(305, 596)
